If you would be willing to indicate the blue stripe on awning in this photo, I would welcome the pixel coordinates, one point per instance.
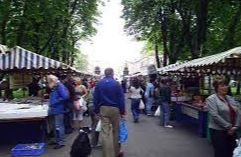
(38, 60)
(4, 61)
(32, 60)
(26, 59)
(20, 58)
(43, 62)
(9, 60)
(50, 63)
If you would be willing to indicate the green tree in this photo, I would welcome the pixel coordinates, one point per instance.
(48, 27)
(183, 28)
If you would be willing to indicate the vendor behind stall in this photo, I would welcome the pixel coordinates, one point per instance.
(34, 87)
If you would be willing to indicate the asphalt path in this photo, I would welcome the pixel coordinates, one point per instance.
(146, 139)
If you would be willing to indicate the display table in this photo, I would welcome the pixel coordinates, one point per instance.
(180, 98)
(187, 113)
(22, 123)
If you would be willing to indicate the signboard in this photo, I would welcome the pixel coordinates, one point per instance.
(190, 112)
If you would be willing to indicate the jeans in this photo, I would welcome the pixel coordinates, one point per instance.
(59, 128)
(135, 103)
(149, 103)
(165, 113)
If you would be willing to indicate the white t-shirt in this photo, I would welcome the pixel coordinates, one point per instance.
(135, 93)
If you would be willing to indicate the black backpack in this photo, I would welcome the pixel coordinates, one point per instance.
(81, 146)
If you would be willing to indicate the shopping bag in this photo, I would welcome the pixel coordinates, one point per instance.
(158, 111)
(123, 131)
(80, 105)
(142, 105)
(98, 126)
(237, 150)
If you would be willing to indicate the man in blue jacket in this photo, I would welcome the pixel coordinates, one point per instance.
(109, 103)
(58, 96)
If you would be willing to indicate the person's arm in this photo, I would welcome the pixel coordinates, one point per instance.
(213, 111)
(83, 91)
(63, 94)
(121, 97)
(237, 110)
(96, 100)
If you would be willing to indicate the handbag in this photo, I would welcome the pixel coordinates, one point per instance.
(80, 104)
(142, 105)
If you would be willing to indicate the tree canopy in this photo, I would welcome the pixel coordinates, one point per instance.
(48, 27)
(184, 29)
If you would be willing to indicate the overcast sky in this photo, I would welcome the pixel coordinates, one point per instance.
(111, 47)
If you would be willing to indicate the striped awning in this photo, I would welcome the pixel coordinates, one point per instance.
(19, 58)
(226, 61)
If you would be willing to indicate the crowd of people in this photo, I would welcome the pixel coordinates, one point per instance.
(154, 93)
(104, 100)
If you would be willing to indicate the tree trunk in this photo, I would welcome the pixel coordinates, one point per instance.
(66, 53)
(5, 20)
(163, 23)
(22, 26)
(199, 39)
(157, 55)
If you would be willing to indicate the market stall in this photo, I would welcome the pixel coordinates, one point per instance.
(193, 111)
(24, 120)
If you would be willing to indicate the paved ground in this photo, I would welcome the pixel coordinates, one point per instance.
(147, 139)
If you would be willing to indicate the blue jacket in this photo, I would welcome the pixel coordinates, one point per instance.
(58, 96)
(108, 92)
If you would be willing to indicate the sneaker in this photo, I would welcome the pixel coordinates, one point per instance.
(58, 146)
(168, 126)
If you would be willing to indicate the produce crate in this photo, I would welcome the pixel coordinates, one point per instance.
(33, 149)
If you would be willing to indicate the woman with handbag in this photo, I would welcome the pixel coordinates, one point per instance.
(79, 103)
(135, 95)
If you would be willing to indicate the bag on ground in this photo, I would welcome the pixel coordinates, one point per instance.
(123, 131)
(158, 111)
(142, 105)
(81, 145)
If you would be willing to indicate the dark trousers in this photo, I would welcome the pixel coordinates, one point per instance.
(94, 121)
(223, 143)
(68, 116)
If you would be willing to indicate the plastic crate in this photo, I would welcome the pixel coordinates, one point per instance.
(33, 149)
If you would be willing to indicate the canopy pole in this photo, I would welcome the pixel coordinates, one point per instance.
(209, 84)
(24, 94)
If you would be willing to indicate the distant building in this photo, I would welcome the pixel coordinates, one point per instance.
(141, 65)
